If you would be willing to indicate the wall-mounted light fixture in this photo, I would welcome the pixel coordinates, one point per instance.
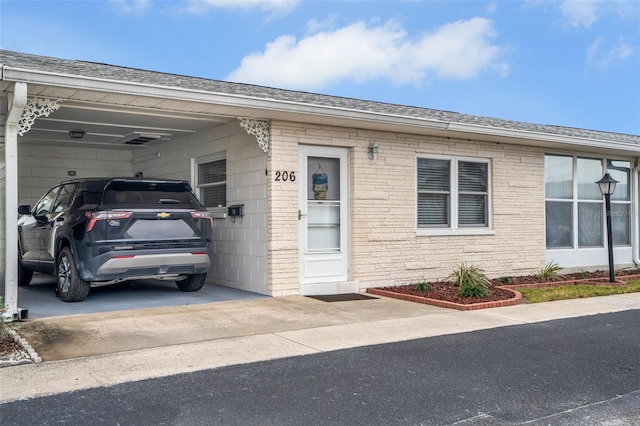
(373, 151)
(76, 134)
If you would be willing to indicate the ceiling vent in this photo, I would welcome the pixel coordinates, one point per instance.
(140, 138)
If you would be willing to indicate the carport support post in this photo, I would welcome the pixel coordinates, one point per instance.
(17, 104)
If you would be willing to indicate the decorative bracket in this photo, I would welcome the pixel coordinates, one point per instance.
(259, 129)
(36, 107)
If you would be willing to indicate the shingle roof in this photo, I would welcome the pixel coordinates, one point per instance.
(124, 74)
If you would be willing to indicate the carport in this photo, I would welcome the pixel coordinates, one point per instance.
(114, 120)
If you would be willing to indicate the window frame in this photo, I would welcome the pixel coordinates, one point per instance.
(575, 201)
(197, 186)
(454, 228)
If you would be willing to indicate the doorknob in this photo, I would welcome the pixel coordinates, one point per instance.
(300, 214)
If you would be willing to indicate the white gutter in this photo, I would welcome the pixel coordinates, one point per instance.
(635, 220)
(580, 142)
(244, 103)
(16, 106)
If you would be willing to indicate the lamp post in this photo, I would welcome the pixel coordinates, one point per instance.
(607, 186)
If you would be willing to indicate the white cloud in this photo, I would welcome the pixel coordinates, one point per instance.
(603, 56)
(362, 52)
(580, 13)
(273, 8)
(131, 7)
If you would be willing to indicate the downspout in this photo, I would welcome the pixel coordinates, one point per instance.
(635, 219)
(17, 104)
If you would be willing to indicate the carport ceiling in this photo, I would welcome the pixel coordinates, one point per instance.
(115, 125)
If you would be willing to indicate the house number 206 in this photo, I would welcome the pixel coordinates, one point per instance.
(285, 176)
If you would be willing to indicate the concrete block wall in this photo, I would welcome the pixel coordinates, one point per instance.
(40, 167)
(385, 247)
(239, 250)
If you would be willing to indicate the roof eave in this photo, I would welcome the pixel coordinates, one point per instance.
(265, 108)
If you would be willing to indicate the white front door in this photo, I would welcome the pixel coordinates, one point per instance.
(324, 220)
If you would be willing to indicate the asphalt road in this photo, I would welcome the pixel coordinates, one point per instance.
(580, 371)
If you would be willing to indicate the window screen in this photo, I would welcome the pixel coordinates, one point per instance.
(433, 192)
(452, 193)
(212, 183)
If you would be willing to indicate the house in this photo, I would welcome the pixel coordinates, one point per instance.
(316, 194)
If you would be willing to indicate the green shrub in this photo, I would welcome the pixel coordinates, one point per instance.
(473, 290)
(506, 280)
(550, 272)
(422, 286)
(471, 280)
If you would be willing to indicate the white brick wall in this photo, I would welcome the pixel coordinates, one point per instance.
(385, 249)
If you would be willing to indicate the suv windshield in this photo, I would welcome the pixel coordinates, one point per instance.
(149, 193)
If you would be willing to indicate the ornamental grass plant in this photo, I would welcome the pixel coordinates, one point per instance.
(471, 281)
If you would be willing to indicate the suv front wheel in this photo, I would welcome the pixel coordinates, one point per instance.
(192, 282)
(71, 288)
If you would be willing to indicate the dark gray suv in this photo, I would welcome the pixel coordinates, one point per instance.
(99, 231)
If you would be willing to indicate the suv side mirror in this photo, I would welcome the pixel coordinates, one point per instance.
(26, 209)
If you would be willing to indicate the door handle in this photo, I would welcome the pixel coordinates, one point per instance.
(300, 214)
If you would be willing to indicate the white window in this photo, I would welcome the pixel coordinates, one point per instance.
(210, 177)
(621, 202)
(452, 194)
(575, 216)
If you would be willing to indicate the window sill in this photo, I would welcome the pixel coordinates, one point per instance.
(423, 232)
(218, 212)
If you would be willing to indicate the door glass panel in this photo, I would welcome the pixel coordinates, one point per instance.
(323, 178)
(323, 205)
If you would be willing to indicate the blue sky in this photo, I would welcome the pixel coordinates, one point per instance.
(568, 63)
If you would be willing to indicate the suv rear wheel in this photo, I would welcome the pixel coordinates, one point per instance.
(192, 282)
(71, 288)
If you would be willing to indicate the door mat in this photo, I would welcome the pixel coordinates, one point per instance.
(342, 297)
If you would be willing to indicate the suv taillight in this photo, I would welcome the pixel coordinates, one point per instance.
(102, 215)
(202, 215)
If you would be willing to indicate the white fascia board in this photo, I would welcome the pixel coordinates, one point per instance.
(224, 99)
(251, 104)
(549, 139)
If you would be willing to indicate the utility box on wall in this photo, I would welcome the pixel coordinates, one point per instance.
(235, 210)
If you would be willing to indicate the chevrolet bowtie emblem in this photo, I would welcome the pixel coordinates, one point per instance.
(164, 215)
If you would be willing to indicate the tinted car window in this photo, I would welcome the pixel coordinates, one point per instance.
(149, 193)
(44, 205)
(66, 192)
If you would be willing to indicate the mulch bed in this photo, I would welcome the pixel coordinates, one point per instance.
(499, 290)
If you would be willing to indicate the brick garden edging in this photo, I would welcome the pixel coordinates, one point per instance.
(517, 297)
